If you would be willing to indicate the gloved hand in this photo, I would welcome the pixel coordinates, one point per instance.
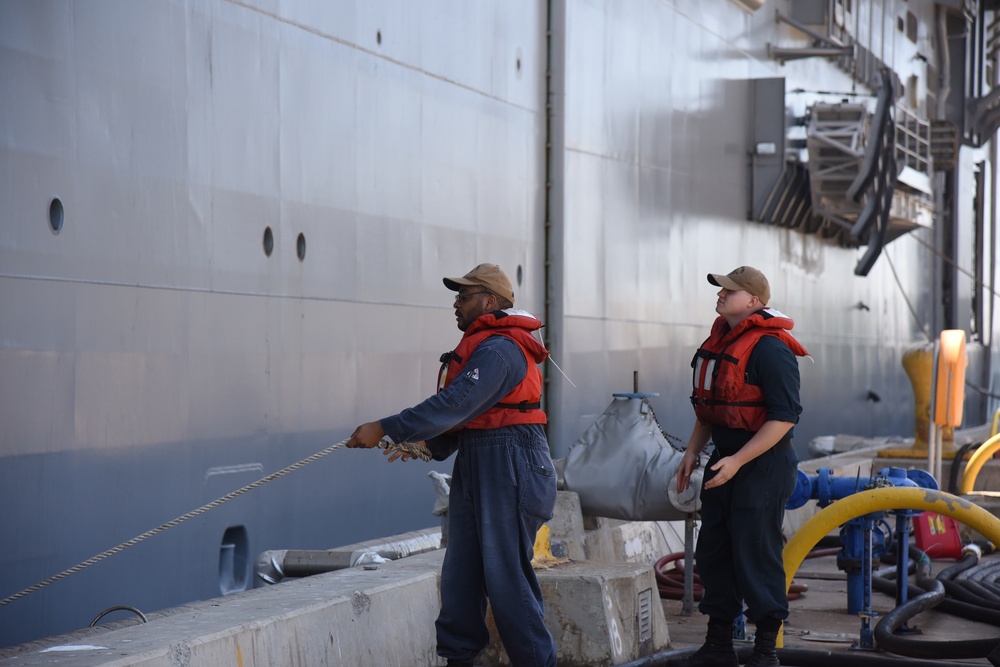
(405, 450)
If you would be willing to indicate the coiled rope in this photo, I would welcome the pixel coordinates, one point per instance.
(412, 449)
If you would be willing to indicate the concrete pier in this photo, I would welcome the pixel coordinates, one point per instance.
(355, 616)
(603, 613)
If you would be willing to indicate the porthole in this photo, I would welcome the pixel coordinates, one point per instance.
(520, 275)
(56, 214)
(300, 246)
(268, 241)
(378, 37)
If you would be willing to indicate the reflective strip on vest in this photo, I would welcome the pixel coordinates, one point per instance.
(703, 373)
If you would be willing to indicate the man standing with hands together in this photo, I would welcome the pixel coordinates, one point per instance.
(746, 401)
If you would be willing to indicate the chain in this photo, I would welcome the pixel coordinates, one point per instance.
(671, 438)
(409, 448)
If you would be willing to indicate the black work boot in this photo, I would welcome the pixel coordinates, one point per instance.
(717, 651)
(763, 650)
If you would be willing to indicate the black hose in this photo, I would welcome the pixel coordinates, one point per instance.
(962, 609)
(900, 645)
(914, 553)
(968, 561)
(988, 597)
(794, 657)
(954, 607)
(960, 582)
(988, 571)
(956, 463)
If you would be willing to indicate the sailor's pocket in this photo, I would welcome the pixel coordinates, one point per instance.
(536, 490)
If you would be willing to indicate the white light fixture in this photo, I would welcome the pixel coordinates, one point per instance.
(765, 148)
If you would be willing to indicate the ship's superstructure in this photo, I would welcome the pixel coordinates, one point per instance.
(225, 223)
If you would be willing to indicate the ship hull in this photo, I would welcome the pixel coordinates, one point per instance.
(223, 241)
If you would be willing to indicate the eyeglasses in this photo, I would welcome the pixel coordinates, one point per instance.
(462, 298)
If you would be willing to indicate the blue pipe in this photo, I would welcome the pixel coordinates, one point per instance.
(864, 539)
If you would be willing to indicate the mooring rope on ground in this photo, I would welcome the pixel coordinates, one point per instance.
(412, 449)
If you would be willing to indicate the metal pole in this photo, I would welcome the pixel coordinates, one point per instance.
(688, 601)
(933, 430)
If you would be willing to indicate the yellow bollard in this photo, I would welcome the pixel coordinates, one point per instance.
(919, 366)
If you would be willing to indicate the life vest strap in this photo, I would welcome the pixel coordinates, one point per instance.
(715, 401)
(523, 406)
(450, 356)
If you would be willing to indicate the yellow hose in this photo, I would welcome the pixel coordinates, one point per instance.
(874, 500)
(975, 464)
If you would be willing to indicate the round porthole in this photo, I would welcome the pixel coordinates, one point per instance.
(56, 214)
(300, 246)
(520, 275)
(268, 241)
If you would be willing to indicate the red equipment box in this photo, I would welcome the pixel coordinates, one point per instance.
(937, 535)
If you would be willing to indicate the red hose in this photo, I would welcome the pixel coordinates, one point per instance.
(670, 581)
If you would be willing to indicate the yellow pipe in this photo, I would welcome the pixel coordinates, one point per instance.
(874, 500)
(975, 464)
(996, 421)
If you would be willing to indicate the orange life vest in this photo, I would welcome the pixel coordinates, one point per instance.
(523, 404)
(721, 393)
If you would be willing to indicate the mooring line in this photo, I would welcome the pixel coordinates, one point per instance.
(415, 450)
(406, 447)
(170, 524)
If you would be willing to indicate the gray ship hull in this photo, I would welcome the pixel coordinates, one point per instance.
(225, 226)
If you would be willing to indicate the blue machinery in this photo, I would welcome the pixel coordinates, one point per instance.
(865, 539)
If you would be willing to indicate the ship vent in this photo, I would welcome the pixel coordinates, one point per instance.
(944, 144)
(645, 614)
(789, 203)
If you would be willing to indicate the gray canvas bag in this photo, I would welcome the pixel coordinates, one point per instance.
(623, 467)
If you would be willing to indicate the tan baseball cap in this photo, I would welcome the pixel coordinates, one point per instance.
(744, 278)
(489, 276)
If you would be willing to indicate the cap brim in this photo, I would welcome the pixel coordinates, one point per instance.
(455, 284)
(720, 280)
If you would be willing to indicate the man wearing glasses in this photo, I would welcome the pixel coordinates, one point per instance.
(503, 485)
